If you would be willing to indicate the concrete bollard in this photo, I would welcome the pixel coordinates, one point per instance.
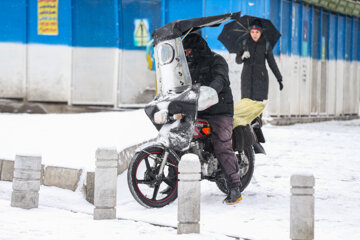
(302, 207)
(26, 182)
(105, 183)
(189, 194)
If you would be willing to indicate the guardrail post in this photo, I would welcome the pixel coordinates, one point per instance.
(302, 207)
(105, 183)
(189, 194)
(26, 182)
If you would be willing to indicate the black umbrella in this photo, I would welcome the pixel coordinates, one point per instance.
(234, 32)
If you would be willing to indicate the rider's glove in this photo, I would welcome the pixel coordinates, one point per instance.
(246, 54)
(207, 98)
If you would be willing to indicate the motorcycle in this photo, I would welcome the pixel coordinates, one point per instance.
(153, 172)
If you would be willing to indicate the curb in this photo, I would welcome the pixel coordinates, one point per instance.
(69, 178)
(66, 178)
(291, 120)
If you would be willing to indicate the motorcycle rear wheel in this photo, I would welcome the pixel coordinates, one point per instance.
(246, 170)
(147, 188)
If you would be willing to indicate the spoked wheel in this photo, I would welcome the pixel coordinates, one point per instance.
(246, 161)
(146, 185)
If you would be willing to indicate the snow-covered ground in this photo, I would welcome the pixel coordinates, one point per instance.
(328, 150)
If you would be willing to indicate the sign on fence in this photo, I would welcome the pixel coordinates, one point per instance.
(48, 17)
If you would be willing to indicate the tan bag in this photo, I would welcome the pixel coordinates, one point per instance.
(247, 110)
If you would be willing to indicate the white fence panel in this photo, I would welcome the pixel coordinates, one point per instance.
(136, 81)
(295, 85)
(94, 76)
(357, 86)
(315, 87)
(340, 75)
(305, 86)
(49, 73)
(331, 88)
(12, 70)
(288, 81)
(274, 91)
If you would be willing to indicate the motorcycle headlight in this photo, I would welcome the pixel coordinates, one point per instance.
(166, 53)
(161, 117)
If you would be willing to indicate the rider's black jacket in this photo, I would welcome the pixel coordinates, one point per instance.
(210, 69)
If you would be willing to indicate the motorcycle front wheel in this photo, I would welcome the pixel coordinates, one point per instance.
(246, 162)
(146, 185)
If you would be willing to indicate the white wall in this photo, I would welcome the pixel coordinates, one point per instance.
(12, 70)
(136, 82)
(357, 86)
(315, 86)
(283, 102)
(94, 76)
(340, 78)
(48, 72)
(331, 93)
(354, 87)
(305, 86)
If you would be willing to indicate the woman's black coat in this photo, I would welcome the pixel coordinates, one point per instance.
(254, 76)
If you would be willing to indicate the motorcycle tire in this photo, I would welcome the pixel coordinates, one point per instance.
(246, 171)
(148, 189)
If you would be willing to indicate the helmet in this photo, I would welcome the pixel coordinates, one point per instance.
(198, 45)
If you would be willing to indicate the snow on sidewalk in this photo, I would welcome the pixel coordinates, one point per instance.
(46, 223)
(328, 150)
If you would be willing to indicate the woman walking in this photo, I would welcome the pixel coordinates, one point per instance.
(253, 51)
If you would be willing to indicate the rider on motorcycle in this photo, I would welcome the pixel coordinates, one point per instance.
(210, 69)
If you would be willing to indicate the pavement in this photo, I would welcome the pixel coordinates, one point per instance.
(20, 106)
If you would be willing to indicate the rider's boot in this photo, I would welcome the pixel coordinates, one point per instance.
(234, 196)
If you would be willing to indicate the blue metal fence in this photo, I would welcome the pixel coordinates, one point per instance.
(13, 21)
(306, 30)
(340, 37)
(355, 54)
(64, 22)
(285, 28)
(332, 36)
(316, 20)
(174, 10)
(95, 23)
(275, 16)
(348, 38)
(132, 12)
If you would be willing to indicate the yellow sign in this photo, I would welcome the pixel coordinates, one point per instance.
(48, 17)
(141, 33)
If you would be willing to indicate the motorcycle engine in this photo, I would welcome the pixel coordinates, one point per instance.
(212, 165)
(209, 164)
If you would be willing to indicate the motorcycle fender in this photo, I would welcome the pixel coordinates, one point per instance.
(258, 148)
(243, 137)
(259, 134)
